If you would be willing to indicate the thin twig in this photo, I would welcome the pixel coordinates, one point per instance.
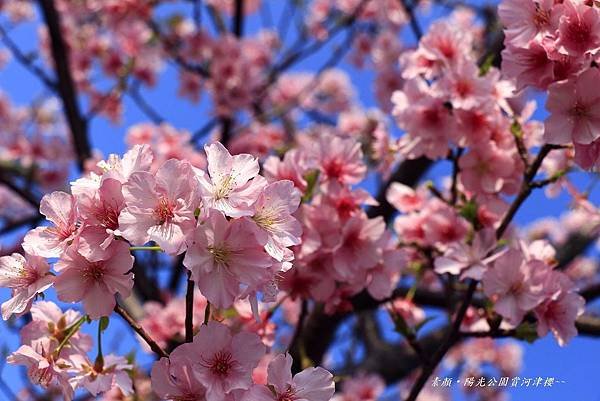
(26, 61)
(453, 334)
(140, 330)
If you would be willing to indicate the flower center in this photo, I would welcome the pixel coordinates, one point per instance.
(541, 17)
(579, 110)
(93, 271)
(220, 254)
(221, 363)
(333, 168)
(164, 210)
(225, 187)
(289, 395)
(578, 33)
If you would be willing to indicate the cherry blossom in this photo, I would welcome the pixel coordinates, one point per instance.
(312, 384)
(232, 183)
(469, 261)
(173, 379)
(573, 105)
(273, 214)
(96, 381)
(42, 368)
(95, 283)
(223, 361)
(59, 208)
(27, 276)
(160, 207)
(515, 285)
(222, 255)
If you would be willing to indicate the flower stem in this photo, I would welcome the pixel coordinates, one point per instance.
(70, 333)
(146, 248)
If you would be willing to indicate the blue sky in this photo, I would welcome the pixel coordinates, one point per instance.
(576, 364)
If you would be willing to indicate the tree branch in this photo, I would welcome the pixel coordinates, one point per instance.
(189, 309)
(66, 86)
(140, 330)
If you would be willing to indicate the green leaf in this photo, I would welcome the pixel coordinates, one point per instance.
(487, 64)
(516, 129)
(104, 323)
(312, 177)
(469, 211)
(527, 331)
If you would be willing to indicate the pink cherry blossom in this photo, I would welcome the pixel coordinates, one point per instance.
(224, 361)
(578, 28)
(464, 87)
(485, 167)
(469, 261)
(361, 388)
(442, 224)
(404, 198)
(384, 277)
(293, 167)
(408, 310)
(95, 283)
(112, 374)
(26, 276)
(273, 215)
(50, 323)
(340, 159)
(529, 66)
(42, 368)
(173, 379)
(574, 107)
(312, 384)
(515, 285)
(358, 250)
(100, 212)
(425, 118)
(525, 20)
(232, 184)
(160, 207)
(558, 312)
(60, 209)
(588, 156)
(222, 255)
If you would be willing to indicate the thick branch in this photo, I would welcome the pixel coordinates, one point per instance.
(66, 85)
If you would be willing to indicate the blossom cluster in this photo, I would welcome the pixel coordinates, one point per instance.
(343, 251)
(218, 365)
(235, 226)
(553, 46)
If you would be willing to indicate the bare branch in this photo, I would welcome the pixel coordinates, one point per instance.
(66, 85)
(140, 330)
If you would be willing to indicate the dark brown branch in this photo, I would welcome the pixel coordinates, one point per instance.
(526, 189)
(143, 105)
(454, 334)
(238, 19)
(189, 310)
(140, 330)
(297, 346)
(24, 194)
(394, 362)
(26, 61)
(66, 86)
(14, 225)
(414, 23)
